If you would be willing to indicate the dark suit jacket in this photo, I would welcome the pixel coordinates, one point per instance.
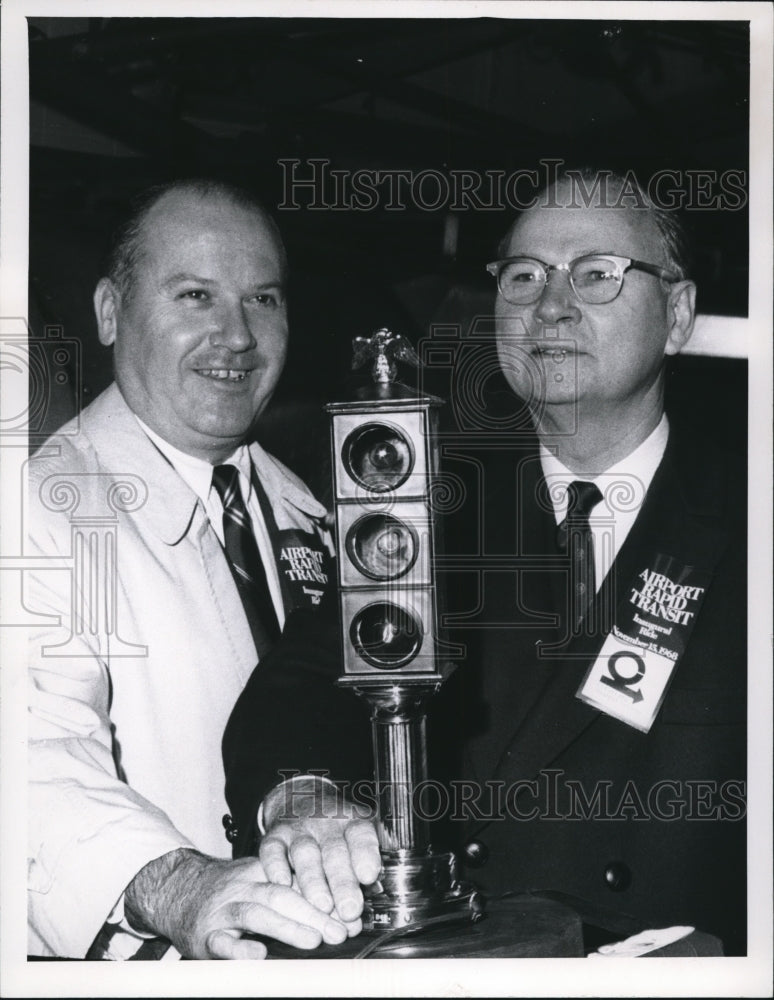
(649, 826)
(665, 840)
(292, 718)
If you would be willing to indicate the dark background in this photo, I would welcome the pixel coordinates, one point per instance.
(118, 104)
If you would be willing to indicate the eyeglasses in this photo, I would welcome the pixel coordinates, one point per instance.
(595, 278)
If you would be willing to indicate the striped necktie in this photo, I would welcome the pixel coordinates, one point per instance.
(574, 537)
(245, 560)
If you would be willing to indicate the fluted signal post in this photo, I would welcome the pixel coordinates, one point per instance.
(385, 460)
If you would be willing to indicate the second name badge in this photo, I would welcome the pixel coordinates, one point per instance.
(629, 678)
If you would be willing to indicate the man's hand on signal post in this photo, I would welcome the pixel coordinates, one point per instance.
(204, 906)
(325, 846)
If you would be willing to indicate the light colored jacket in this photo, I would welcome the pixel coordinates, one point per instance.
(132, 683)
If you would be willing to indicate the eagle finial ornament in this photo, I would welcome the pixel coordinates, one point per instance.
(383, 348)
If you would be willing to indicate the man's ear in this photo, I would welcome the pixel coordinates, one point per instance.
(681, 313)
(106, 302)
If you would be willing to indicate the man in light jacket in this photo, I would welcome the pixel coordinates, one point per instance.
(154, 624)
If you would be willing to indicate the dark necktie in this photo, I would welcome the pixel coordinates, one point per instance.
(575, 538)
(245, 559)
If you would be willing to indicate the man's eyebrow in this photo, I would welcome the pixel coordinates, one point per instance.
(181, 276)
(596, 252)
(279, 283)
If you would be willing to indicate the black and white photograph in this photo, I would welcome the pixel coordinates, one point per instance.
(386, 456)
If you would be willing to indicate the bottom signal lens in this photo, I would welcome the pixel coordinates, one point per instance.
(385, 636)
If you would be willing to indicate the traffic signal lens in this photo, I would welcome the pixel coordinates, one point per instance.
(385, 636)
(382, 546)
(378, 457)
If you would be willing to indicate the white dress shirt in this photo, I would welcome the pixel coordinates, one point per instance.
(623, 487)
(197, 473)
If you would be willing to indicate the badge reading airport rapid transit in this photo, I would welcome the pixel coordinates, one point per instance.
(304, 567)
(629, 678)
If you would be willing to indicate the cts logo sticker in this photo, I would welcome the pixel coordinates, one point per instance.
(625, 682)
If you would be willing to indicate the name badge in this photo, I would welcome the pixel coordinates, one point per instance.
(630, 677)
(303, 563)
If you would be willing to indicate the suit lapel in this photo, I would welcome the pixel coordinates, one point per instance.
(681, 517)
(519, 602)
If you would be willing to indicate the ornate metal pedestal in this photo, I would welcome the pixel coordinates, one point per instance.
(417, 883)
(385, 466)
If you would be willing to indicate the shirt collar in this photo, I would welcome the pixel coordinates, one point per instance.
(197, 472)
(642, 463)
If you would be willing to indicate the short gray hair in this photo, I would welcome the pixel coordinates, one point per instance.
(675, 240)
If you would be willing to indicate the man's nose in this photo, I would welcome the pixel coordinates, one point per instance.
(558, 303)
(233, 330)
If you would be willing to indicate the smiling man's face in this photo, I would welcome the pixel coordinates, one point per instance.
(606, 360)
(201, 337)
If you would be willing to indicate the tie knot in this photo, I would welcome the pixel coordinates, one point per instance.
(582, 497)
(225, 479)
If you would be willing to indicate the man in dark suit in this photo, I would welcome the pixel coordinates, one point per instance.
(637, 827)
(627, 797)
(599, 721)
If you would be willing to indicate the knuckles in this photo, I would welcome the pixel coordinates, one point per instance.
(303, 844)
